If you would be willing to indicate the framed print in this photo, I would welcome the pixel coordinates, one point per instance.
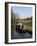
(20, 22)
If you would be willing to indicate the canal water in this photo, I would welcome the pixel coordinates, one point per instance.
(16, 35)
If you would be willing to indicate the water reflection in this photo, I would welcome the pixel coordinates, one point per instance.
(16, 35)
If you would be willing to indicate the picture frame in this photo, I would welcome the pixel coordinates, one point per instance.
(8, 21)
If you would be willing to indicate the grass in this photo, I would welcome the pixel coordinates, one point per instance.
(28, 23)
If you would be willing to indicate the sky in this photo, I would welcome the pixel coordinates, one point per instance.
(23, 12)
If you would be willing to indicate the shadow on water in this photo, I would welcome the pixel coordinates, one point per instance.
(17, 35)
